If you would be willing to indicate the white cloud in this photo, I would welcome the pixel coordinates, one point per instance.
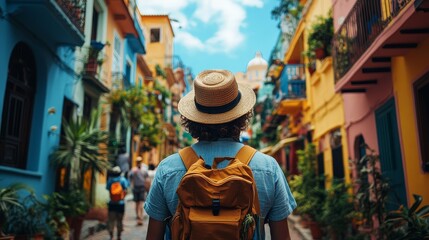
(252, 3)
(228, 15)
(189, 41)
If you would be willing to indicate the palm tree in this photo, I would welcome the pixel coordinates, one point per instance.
(84, 149)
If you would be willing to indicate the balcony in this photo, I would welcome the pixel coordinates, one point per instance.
(373, 33)
(124, 13)
(58, 21)
(292, 82)
(94, 58)
(120, 82)
(291, 90)
(92, 69)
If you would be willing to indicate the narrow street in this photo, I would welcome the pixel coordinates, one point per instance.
(131, 229)
(334, 96)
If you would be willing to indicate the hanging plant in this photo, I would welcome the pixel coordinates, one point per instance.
(320, 38)
(137, 107)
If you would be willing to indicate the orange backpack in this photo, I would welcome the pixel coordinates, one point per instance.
(216, 203)
(117, 193)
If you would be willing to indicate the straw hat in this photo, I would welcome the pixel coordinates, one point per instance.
(216, 98)
(139, 159)
(116, 170)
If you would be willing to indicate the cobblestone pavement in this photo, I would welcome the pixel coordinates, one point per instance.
(131, 230)
(134, 232)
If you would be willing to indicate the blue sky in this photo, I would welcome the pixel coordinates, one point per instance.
(218, 34)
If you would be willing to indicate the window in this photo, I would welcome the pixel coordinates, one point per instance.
(337, 154)
(155, 35)
(117, 53)
(88, 105)
(18, 107)
(94, 27)
(127, 79)
(360, 147)
(140, 81)
(421, 92)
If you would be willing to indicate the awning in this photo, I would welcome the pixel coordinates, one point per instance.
(281, 144)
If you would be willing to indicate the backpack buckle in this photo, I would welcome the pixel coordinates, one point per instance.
(215, 207)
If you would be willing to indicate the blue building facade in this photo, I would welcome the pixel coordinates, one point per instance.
(37, 80)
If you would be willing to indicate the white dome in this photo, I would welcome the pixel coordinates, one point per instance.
(257, 61)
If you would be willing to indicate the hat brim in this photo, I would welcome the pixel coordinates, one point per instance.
(188, 109)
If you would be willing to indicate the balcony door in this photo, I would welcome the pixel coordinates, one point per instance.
(390, 153)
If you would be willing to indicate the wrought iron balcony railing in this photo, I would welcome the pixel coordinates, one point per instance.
(75, 10)
(366, 20)
(119, 81)
(292, 81)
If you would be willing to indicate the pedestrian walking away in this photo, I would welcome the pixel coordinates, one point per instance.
(117, 186)
(138, 178)
(123, 161)
(218, 188)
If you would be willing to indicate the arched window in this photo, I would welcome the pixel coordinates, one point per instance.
(360, 147)
(337, 154)
(18, 107)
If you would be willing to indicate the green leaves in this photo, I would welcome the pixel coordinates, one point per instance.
(320, 37)
(9, 199)
(140, 110)
(83, 148)
(307, 189)
(287, 7)
(408, 223)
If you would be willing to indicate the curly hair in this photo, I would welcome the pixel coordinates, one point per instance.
(212, 132)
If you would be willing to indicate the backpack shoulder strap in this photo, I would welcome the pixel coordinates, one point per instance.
(189, 156)
(245, 154)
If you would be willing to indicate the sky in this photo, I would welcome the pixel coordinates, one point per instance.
(218, 34)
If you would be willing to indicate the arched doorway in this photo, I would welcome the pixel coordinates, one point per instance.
(18, 107)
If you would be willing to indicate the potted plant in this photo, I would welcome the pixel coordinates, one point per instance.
(73, 205)
(338, 211)
(9, 198)
(66, 211)
(310, 204)
(95, 57)
(84, 150)
(311, 64)
(320, 38)
(371, 196)
(27, 220)
(408, 223)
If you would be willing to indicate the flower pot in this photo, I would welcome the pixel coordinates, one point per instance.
(311, 70)
(91, 66)
(316, 230)
(320, 53)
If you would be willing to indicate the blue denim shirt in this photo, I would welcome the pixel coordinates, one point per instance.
(275, 197)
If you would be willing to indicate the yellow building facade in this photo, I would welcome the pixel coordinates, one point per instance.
(406, 71)
(321, 113)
